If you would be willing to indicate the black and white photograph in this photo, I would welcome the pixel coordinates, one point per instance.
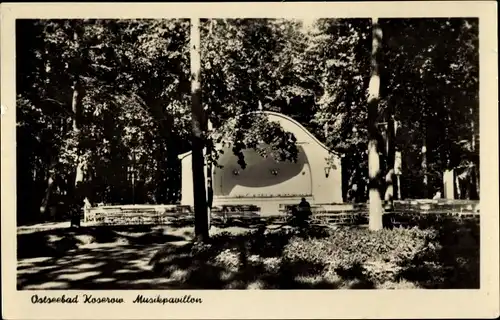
(240, 153)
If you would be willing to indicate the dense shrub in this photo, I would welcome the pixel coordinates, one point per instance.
(456, 264)
(445, 256)
(360, 253)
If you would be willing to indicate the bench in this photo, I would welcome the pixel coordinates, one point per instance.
(132, 216)
(225, 212)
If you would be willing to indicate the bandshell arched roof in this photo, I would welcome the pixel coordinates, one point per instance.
(288, 124)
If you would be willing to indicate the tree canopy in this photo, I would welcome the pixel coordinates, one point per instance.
(135, 117)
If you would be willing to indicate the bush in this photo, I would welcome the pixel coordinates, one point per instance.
(446, 256)
(456, 264)
(360, 253)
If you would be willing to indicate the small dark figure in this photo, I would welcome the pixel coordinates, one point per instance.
(304, 205)
(303, 212)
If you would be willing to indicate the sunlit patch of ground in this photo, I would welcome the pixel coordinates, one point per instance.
(99, 258)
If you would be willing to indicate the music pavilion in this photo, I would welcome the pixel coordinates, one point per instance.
(269, 184)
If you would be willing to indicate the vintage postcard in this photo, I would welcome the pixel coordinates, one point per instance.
(250, 160)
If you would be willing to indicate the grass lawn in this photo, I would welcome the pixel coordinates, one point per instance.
(250, 257)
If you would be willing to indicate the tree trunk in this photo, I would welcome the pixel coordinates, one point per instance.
(425, 182)
(390, 148)
(198, 121)
(210, 187)
(398, 185)
(474, 194)
(210, 193)
(78, 194)
(424, 165)
(48, 191)
(76, 108)
(375, 207)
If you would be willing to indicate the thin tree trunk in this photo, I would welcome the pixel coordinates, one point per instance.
(474, 195)
(80, 166)
(198, 121)
(51, 172)
(76, 108)
(375, 207)
(425, 182)
(424, 166)
(398, 183)
(48, 191)
(210, 149)
(398, 160)
(389, 178)
(210, 187)
(210, 193)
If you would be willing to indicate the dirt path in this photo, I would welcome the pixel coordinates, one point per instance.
(54, 257)
(92, 267)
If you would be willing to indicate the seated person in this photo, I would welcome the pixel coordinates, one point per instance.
(304, 209)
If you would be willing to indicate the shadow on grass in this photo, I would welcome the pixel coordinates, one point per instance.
(56, 242)
(123, 267)
(92, 258)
